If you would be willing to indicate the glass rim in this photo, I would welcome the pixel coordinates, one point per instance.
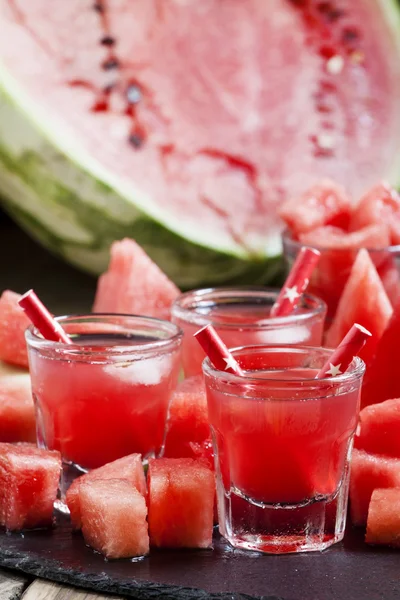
(357, 371)
(181, 312)
(35, 340)
(287, 237)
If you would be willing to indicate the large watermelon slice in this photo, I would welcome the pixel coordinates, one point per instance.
(17, 412)
(363, 301)
(382, 378)
(184, 125)
(134, 284)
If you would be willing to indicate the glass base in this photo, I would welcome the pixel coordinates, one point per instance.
(311, 526)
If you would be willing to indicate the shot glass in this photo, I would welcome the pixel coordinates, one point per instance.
(241, 317)
(107, 394)
(282, 445)
(331, 274)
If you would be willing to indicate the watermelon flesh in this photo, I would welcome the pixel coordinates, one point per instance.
(188, 419)
(383, 525)
(323, 204)
(368, 472)
(13, 323)
(382, 381)
(379, 205)
(128, 468)
(114, 518)
(134, 284)
(363, 301)
(379, 429)
(29, 478)
(17, 412)
(181, 503)
(202, 158)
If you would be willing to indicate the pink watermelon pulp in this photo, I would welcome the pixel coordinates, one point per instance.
(188, 419)
(363, 301)
(128, 468)
(382, 380)
(383, 525)
(379, 205)
(379, 429)
(114, 517)
(368, 472)
(261, 99)
(17, 412)
(13, 323)
(134, 284)
(29, 480)
(181, 503)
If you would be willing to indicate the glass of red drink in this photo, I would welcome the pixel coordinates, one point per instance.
(282, 444)
(333, 269)
(106, 395)
(241, 317)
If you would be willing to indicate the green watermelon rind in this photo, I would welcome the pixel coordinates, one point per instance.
(56, 194)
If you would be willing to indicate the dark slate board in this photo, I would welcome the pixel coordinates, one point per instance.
(348, 571)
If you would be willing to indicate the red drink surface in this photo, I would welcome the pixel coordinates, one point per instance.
(285, 449)
(246, 325)
(95, 413)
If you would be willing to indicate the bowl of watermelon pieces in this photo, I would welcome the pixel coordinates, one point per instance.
(326, 218)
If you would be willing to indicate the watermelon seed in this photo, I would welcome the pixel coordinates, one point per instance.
(135, 140)
(133, 94)
(107, 40)
(350, 34)
(110, 63)
(335, 65)
(98, 7)
(330, 13)
(357, 57)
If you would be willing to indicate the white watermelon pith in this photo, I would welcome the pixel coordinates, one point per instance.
(98, 144)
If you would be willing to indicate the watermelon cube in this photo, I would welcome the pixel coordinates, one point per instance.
(363, 301)
(324, 204)
(13, 322)
(368, 472)
(381, 205)
(181, 502)
(114, 518)
(188, 418)
(29, 479)
(338, 253)
(382, 380)
(128, 468)
(379, 429)
(383, 525)
(17, 412)
(134, 284)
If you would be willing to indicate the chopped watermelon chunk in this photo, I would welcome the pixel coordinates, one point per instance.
(379, 429)
(128, 468)
(368, 472)
(188, 418)
(29, 478)
(134, 284)
(17, 411)
(383, 524)
(382, 380)
(380, 205)
(363, 301)
(324, 204)
(13, 322)
(338, 252)
(181, 502)
(114, 518)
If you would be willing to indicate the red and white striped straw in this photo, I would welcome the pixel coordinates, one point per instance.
(296, 282)
(348, 348)
(216, 350)
(42, 319)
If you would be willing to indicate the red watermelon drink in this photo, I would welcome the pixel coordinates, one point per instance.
(241, 317)
(106, 395)
(282, 442)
